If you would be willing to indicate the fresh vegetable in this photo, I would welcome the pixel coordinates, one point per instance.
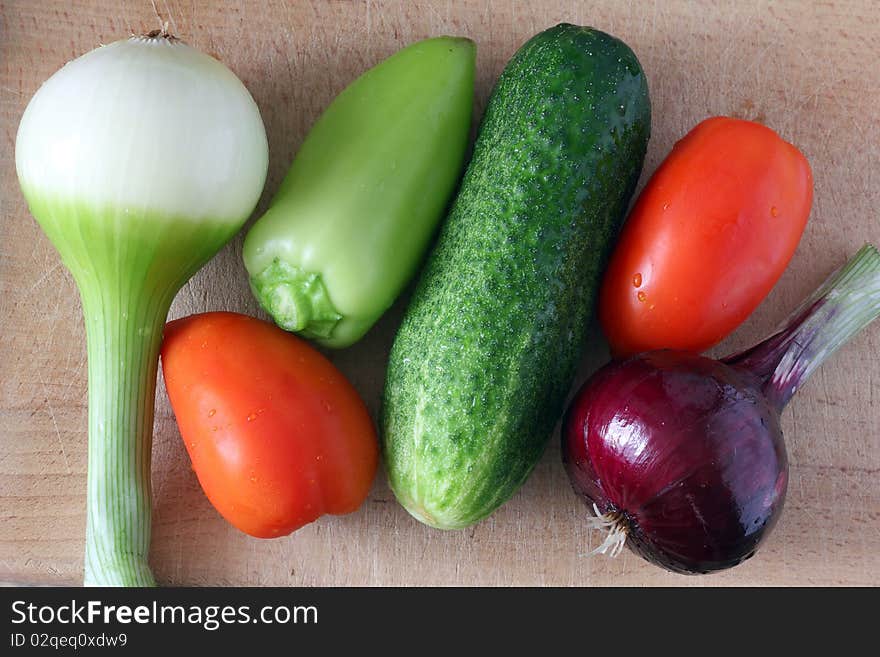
(139, 160)
(354, 216)
(682, 456)
(276, 434)
(709, 236)
(489, 345)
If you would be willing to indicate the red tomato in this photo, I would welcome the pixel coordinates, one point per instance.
(276, 434)
(708, 238)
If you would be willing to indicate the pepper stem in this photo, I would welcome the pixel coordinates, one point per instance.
(296, 300)
(843, 305)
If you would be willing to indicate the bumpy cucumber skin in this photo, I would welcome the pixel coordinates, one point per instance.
(489, 345)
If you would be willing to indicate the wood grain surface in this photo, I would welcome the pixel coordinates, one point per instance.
(807, 69)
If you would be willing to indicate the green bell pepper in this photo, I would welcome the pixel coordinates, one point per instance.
(355, 214)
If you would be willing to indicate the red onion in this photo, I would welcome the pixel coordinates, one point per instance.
(682, 457)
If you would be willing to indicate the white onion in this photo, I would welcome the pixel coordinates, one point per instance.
(146, 123)
(139, 160)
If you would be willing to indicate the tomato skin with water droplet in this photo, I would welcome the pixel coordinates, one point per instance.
(252, 401)
(709, 236)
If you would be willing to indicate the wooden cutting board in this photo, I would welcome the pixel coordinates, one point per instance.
(809, 70)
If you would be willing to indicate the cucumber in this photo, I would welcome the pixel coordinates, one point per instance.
(490, 342)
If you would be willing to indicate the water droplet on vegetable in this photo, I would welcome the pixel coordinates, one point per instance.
(212, 412)
(251, 417)
(774, 211)
(637, 280)
(642, 296)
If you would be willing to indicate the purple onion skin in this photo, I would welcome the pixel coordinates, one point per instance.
(683, 456)
(686, 450)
